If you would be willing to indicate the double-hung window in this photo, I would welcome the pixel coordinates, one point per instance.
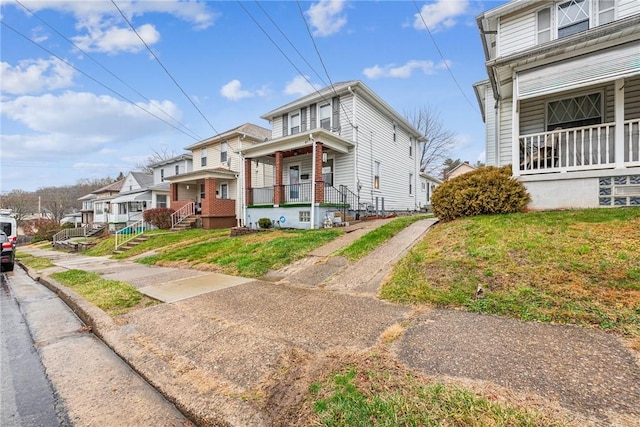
(572, 17)
(223, 152)
(410, 184)
(294, 123)
(161, 175)
(177, 169)
(325, 116)
(224, 191)
(203, 157)
(606, 11)
(376, 175)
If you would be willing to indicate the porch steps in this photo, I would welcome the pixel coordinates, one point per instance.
(98, 230)
(131, 244)
(186, 223)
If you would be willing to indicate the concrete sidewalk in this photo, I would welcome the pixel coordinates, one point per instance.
(244, 355)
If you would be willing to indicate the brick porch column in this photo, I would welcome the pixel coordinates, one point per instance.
(248, 194)
(173, 193)
(278, 196)
(209, 200)
(319, 196)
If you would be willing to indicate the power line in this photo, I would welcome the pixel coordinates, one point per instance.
(443, 59)
(93, 79)
(163, 67)
(106, 69)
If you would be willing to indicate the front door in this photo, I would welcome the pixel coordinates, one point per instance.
(294, 182)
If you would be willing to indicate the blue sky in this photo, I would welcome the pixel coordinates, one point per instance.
(73, 72)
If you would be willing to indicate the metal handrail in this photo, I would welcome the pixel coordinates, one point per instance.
(183, 213)
(130, 232)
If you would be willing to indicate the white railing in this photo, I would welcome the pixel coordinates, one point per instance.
(632, 142)
(181, 214)
(583, 148)
(130, 232)
(67, 233)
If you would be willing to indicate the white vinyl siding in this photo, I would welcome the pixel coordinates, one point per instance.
(505, 132)
(632, 98)
(517, 33)
(627, 8)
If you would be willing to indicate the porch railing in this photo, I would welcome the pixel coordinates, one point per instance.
(130, 232)
(582, 148)
(297, 193)
(183, 213)
(262, 196)
(84, 231)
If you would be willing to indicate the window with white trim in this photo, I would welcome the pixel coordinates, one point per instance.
(395, 128)
(161, 175)
(294, 123)
(177, 170)
(584, 110)
(410, 184)
(572, 17)
(325, 116)
(376, 175)
(224, 191)
(304, 216)
(410, 146)
(161, 201)
(203, 157)
(543, 27)
(606, 11)
(224, 148)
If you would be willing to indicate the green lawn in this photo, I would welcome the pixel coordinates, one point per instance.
(578, 267)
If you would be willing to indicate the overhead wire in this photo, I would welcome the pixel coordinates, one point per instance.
(444, 61)
(163, 67)
(194, 135)
(94, 79)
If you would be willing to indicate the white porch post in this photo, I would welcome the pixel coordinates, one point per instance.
(313, 181)
(619, 119)
(515, 128)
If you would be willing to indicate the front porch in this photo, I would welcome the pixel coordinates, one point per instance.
(580, 149)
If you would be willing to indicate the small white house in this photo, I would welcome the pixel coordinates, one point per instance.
(562, 100)
(428, 184)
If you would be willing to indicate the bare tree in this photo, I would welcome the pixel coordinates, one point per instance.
(155, 157)
(438, 140)
(21, 203)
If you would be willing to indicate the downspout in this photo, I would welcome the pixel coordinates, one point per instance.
(243, 203)
(313, 180)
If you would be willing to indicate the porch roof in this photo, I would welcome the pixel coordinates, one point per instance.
(215, 173)
(133, 197)
(297, 141)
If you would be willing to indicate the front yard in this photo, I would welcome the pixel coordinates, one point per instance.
(579, 267)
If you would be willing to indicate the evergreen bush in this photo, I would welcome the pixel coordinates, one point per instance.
(487, 190)
(264, 223)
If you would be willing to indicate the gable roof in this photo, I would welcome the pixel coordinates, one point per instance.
(247, 130)
(343, 88)
(178, 158)
(144, 180)
(113, 187)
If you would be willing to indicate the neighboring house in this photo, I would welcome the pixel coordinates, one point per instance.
(428, 184)
(133, 199)
(339, 149)
(99, 206)
(74, 218)
(164, 169)
(461, 169)
(86, 211)
(562, 101)
(214, 189)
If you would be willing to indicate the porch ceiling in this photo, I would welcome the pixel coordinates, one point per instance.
(299, 141)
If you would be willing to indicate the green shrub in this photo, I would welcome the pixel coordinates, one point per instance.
(264, 223)
(487, 190)
(158, 217)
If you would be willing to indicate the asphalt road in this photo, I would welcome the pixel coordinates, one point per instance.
(28, 398)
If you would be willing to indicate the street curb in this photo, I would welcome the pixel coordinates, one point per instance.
(105, 329)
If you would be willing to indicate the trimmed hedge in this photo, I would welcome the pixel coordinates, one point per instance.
(159, 217)
(487, 190)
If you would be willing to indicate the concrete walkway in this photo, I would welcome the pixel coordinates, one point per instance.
(245, 354)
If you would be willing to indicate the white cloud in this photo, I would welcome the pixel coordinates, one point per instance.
(402, 71)
(234, 92)
(300, 86)
(326, 17)
(439, 15)
(113, 39)
(81, 122)
(34, 76)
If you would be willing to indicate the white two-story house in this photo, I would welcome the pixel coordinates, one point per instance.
(339, 149)
(562, 99)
